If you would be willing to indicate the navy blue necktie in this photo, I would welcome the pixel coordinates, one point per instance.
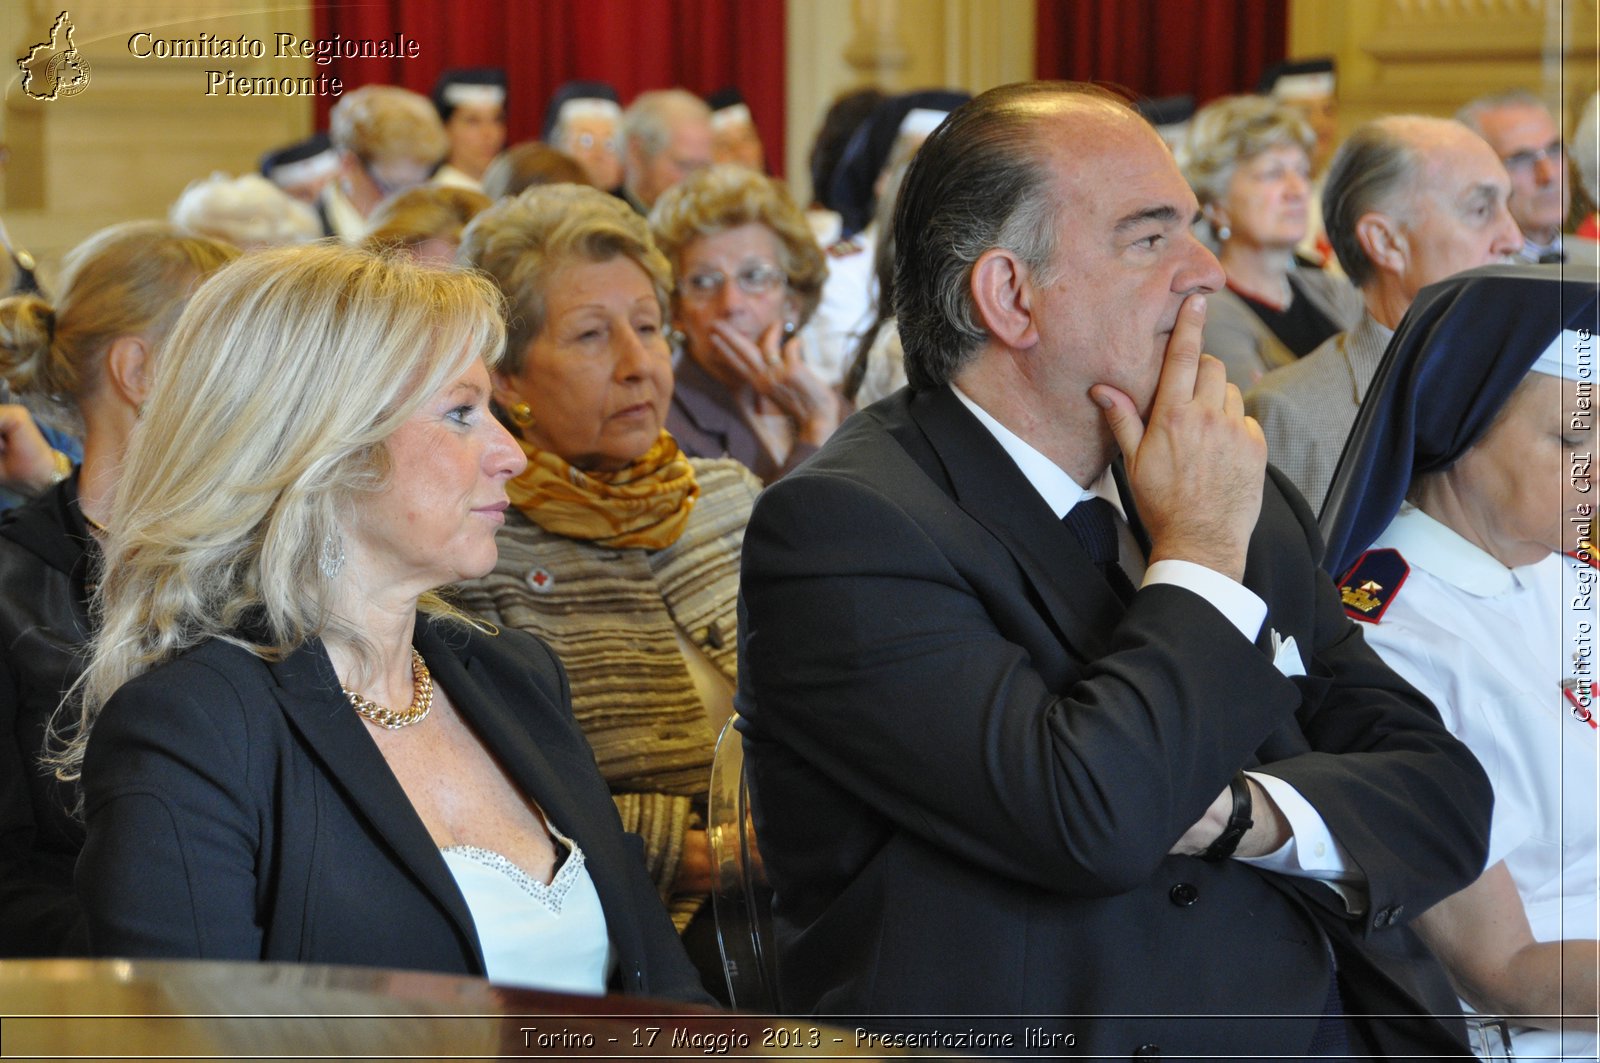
(1094, 522)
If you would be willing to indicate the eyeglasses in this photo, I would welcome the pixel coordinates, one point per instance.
(752, 280)
(1525, 161)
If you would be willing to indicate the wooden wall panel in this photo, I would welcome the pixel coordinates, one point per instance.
(143, 128)
(1431, 56)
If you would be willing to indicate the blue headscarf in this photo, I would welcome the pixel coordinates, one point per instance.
(867, 152)
(1460, 351)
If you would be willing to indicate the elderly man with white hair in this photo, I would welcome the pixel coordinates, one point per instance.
(666, 137)
(1523, 132)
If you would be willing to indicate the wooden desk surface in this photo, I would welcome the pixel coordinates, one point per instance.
(148, 1009)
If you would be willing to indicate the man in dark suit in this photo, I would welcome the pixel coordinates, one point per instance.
(993, 778)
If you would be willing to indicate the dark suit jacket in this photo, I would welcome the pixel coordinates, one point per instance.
(969, 760)
(238, 809)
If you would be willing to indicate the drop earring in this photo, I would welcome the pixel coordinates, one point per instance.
(330, 558)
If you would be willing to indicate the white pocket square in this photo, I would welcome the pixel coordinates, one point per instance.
(1286, 656)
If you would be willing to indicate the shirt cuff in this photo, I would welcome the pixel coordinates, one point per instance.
(1238, 603)
(1311, 851)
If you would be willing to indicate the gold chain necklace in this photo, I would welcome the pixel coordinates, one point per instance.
(416, 712)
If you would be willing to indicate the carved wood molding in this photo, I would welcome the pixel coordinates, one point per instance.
(1432, 30)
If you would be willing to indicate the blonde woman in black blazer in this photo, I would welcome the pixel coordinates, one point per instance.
(285, 737)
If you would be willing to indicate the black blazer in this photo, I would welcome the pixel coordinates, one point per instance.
(969, 760)
(238, 809)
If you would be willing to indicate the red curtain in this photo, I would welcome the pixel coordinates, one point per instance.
(1206, 48)
(701, 45)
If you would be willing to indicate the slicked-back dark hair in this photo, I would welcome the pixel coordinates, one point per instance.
(978, 183)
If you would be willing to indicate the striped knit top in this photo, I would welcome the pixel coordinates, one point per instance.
(612, 616)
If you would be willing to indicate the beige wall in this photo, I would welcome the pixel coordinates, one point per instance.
(143, 128)
(1431, 56)
(899, 45)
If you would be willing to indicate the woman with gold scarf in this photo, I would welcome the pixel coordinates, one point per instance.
(619, 551)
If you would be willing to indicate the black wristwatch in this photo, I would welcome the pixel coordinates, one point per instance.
(1239, 821)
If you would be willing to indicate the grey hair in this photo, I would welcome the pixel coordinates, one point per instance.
(977, 184)
(1472, 111)
(1377, 169)
(1231, 130)
(648, 120)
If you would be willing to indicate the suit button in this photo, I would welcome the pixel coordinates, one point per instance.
(1384, 917)
(1147, 1052)
(1183, 895)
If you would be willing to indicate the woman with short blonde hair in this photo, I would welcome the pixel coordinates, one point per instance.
(389, 139)
(96, 348)
(749, 275)
(1248, 159)
(523, 241)
(725, 197)
(620, 551)
(425, 222)
(528, 165)
(280, 720)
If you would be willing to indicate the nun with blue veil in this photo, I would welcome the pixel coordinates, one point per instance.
(1459, 521)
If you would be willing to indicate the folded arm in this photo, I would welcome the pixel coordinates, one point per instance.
(890, 657)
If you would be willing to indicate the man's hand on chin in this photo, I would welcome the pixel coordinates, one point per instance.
(1197, 466)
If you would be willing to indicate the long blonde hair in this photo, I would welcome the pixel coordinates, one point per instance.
(269, 417)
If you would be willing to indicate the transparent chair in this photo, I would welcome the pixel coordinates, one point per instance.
(740, 899)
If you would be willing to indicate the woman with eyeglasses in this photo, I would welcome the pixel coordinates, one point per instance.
(619, 550)
(749, 274)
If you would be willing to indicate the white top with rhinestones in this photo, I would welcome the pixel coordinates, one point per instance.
(532, 934)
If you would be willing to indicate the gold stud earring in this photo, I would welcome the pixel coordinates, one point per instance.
(521, 414)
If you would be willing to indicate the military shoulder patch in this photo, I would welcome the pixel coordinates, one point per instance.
(1372, 583)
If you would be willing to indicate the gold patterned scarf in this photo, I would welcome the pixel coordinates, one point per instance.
(644, 505)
